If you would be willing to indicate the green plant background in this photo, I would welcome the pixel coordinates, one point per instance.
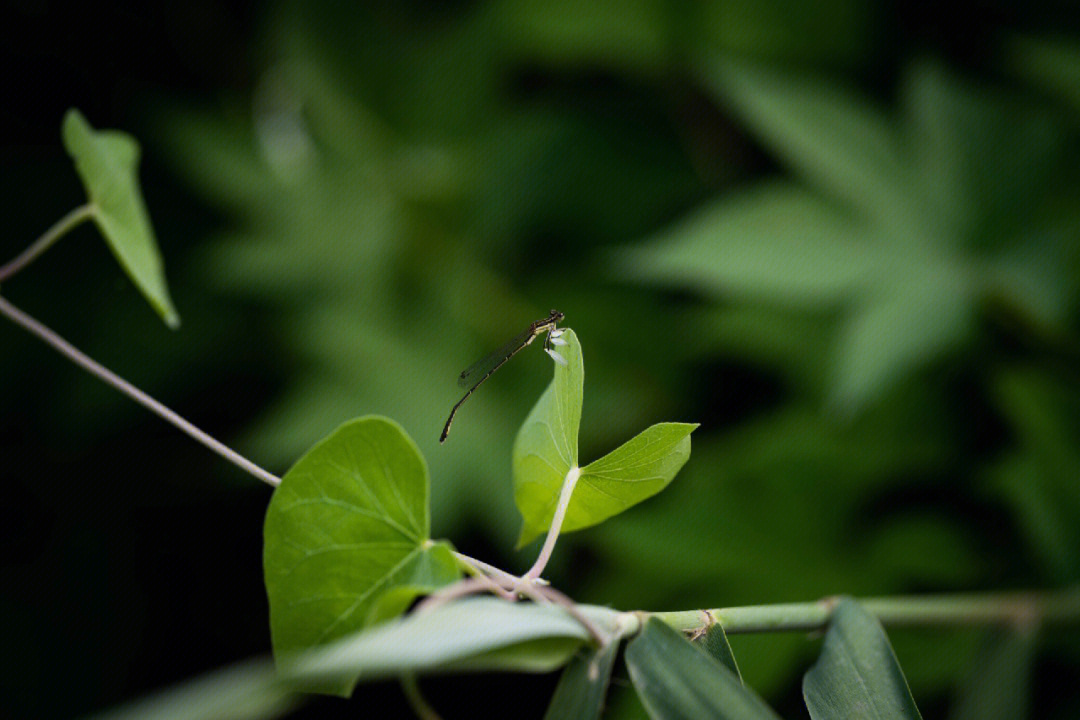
(845, 238)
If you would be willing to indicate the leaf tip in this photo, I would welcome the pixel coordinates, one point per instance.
(72, 123)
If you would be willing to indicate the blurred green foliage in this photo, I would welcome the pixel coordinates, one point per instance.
(843, 236)
(878, 331)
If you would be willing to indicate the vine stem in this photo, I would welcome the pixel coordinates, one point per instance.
(71, 353)
(63, 226)
(567, 490)
(1019, 609)
(419, 705)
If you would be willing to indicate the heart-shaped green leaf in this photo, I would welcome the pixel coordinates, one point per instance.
(857, 674)
(108, 163)
(348, 523)
(677, 681)
(546, 449)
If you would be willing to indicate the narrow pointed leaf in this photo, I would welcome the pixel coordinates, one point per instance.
(108, 163)
(583, 685)
(857, 674)
(716, 644)
(676, 681)
(348, 523)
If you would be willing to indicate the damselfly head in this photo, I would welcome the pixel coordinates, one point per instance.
(555, 316)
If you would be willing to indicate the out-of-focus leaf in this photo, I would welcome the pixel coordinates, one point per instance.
(482, 634)
(349, 522)
(857, 674)
(248, 691)
(775, 243)
(583, 685)
(714, 641)
(546, 450)
(984, 158)
(999, 687)
(108, 163)
(906, 325)
(840, 32)
(675, 680)
(1038, 478)
(1050, 64)
(609, 33)
(951, 206)
(837, 141)
(474, 634)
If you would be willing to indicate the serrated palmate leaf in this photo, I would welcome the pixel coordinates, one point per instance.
(473, 634)
(349, 522)
(834, 138)
(546, 449)
(677, 681)
(714, 642)
(777, 242)
(108, 163)
(907, 323)
(857, 674)
(583, 685)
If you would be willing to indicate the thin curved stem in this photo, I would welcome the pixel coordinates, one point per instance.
(556, 524)
(472, 565)
(419, 705)
(462, 588)
(550, 594)
(62, 227)
(71, 353)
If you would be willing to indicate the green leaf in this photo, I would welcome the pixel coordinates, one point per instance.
(857, 674)
(1051, 64)
(776, 242)
(474, 634)
(547, 443)
(714, 642)
(435, 568)
(583, 685)
(999, 688)
(676, 680)
(349, 522)
(915, 320)
(546, 450)
(107, 162)
(835, 139)
(246, 691)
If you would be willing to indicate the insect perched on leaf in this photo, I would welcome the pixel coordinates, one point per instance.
(475, 375)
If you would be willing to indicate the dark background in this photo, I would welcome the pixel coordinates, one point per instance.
(353, 204)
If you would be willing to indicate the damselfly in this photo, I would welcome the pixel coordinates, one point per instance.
(475, 375)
